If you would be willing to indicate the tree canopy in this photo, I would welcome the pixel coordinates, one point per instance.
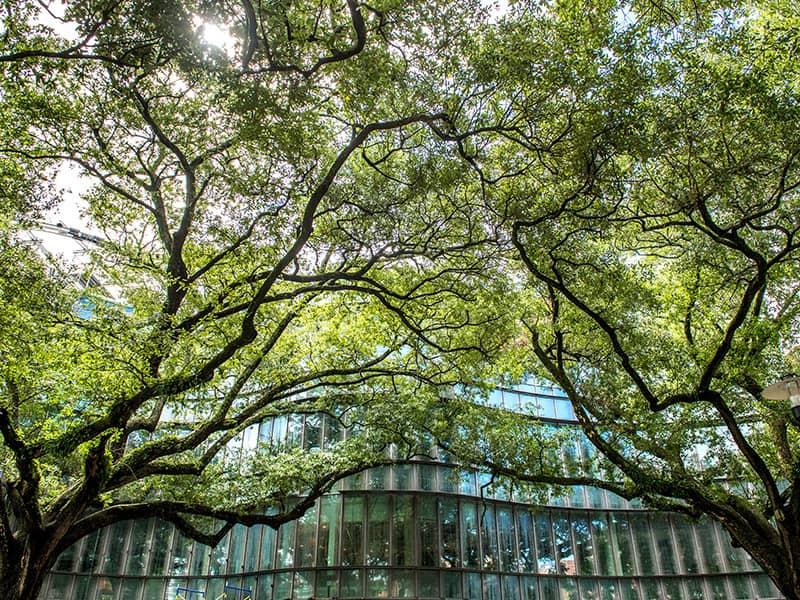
(341, 206)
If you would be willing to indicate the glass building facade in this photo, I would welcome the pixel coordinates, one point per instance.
(424, 530)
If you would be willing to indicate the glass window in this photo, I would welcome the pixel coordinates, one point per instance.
(326, 584)
(253, 546)
(428, 584)
(662, 534)
(584, 549)
(695, 589)
(764, 587)
(130, 589)
(303, 587)
(427, 477)
(472, 585)
(403, 584)
(263, 588)
(530, 591)
(428, 532)
(181, 546)
(569, 588)
(283, 586)
(495, 398)
(219, 557)
(469, 534)
(236, 552)
(82, 587)
(642, 540)
(306, 538)
(526, 543)
(601, 542)
(333, 431)
(466, 484)
(718, 590)
(545, 555)
(267, 548)
(737, 558)
(378, 530)
(377, 478)
(89, 555)
(214, 590)
(709, 547)
(549, 588)
(505, 533)
(328, 522)
(447, 480)
(114, 555)
(489, 538)
(313, 432)
(403, 531)
(448, 517)
(563, 543)
(608, 589)
(378, 583)
(510, 587)
(352, 531)
(59, 587)
(564, 410)
(686, 548)
(491, 587)
(629, 589)
(161, 534)
(548, 409)
(286, 544)
(153, 588)
(403, 477)
(451, 585)
(200, 559)
(741, 586)
(650, 590)
(294, 430)
(672, 589)
(352, 584)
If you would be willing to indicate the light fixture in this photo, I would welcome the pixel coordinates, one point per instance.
(787, 388)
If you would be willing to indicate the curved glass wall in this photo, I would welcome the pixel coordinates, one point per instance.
(422, 530)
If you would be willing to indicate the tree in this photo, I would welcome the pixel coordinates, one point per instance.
(281, 230)
(656, 219)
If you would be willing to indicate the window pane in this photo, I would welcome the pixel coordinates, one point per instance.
(403, 531)
(563, 542)
(530, 591)
(303, 585)
(352, 531)
(527, 542)
(428, 584)
(116, 536)
(663, 538)
(583, 544)
(673, 589)
(403, 584)
(253, 546)
(428, 533)
(545, 556)
(59, 587)
(219, 556)
(448, 517)
(286, 544)
(472, 585)
(427, 477)
(686, 548)
(601, 541)
(505, 532)
(510, 587)
(451, 585)
(378, 530)
(328, 526)
(306, 538)
(180, 554)
(267, 548)
(642, 539)
(741, 586)
(161, 533)
(491, 587)
(695, 589)
(352, 584)
(709, 547)
(313, 431)
(264, 587)
(469, 534)
(403, 479)
(326, 584)
(549, 588)
(378, 583)
(489, 538)
(236, 552)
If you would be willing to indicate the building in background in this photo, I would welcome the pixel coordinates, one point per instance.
(422, 530)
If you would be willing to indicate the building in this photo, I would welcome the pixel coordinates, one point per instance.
(422, 530)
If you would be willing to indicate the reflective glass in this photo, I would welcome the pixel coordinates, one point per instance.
(601, 541)
(448, 518)
(428, 584)
(718, 589)
(236, 550)
(161, 536)
(378, 530)
(114, 554)
(569, 588)
(377, 478)
(505, 533)
(428, 532)
(564, 410)
(466, 483)
(741, 586)
(82, 587)
(472, 585)
(686, 548)
(527, 541)
(629, 589)
(642, 540)
(352, 584)
(469, 534)
(695, 589)
(427, 477)
(650, 590)
(200, 559)
(451, 585)
(286, 544)
(312, 438)
(267, 548)
(263, 588)
(352, 531)
(403, 477)
(130, 589)
(306, 538)
(563, 543)
(326, 585)
(378, 583)
(584, 550)
(180, 554)
(219, 557)
(448, 480)
(530, 589)
(549, 588)
(489, 538)
(510, 587)
(153, 588)
(662, 536)
(709, 547)
(283, 585)
(253, 546)
(764, 587)
(608, 589)
(58, 587)
(491, 587)
(328, 526)
(403, 585)
(737, 558)
(545, 554)
(673, 589)
(303, 587)
(89, 553)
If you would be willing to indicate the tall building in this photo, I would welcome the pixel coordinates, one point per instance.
(424, 530)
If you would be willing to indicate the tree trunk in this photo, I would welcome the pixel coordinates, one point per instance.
(24, 572)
